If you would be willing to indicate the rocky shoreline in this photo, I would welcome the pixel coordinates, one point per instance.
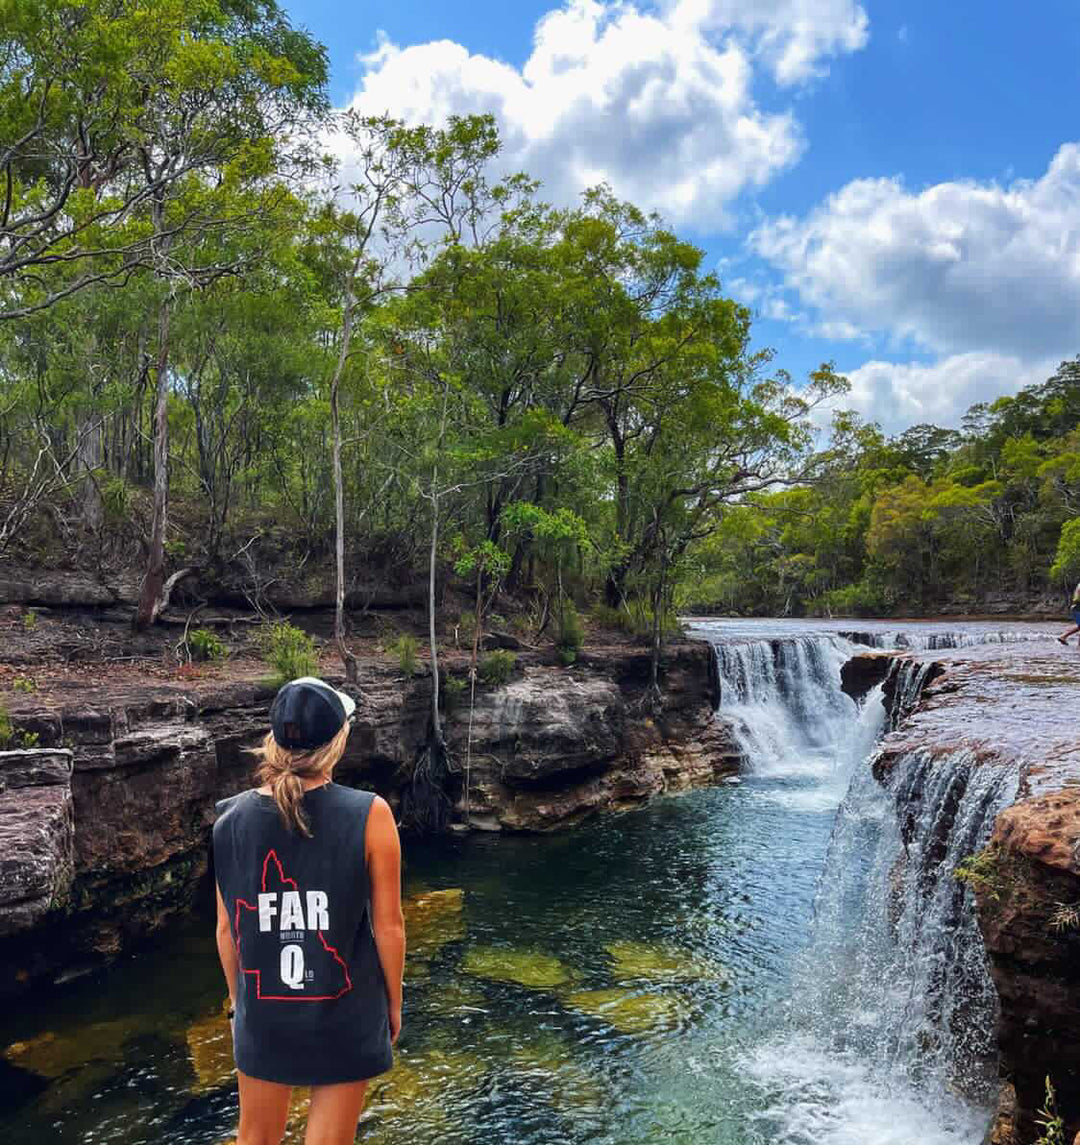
(106, 820)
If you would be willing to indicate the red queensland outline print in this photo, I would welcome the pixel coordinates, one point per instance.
(257, 974)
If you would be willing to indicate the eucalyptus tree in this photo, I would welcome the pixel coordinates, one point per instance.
(240, 89)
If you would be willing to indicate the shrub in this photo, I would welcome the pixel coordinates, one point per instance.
(1050, 1119)
(861, 599)
(454, 687)
(116, 499)
(24, 684)
(405, 649)
(566, 656)
(289, 651)
(980, 872)
(497, 667)
(636, 619)
(30, 619)
(12, 737)
(206, 645)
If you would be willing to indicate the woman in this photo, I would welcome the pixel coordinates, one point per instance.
(309, 925)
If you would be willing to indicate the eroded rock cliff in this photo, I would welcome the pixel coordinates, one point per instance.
(112, 820)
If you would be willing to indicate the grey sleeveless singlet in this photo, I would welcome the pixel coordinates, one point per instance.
(311, 1005)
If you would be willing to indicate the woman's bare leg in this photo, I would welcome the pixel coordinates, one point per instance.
(1065, 635)
(335, 1111)
(264, 1109)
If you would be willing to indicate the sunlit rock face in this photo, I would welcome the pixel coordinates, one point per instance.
(1029, 914)
(37, 836)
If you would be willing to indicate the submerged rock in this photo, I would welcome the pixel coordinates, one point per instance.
(629, 1011)
(210, 1045)
(655, 963)
(530, 968)
(433, 919)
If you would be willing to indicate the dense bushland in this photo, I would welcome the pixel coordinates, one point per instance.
(929, 518)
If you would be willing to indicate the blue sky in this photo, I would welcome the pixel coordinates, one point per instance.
(894, 186)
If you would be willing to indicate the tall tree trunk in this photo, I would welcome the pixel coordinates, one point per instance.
(436, 719)
(89, 460)
(154, 579)
(347, 658)
(658, 624)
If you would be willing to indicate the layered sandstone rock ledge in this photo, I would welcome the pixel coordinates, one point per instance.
(1012, 706)
(111, 823)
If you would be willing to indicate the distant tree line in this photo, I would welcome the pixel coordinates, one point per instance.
(923, 520)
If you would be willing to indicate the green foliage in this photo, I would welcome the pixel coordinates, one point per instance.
(117, 498)
(289, 651)
(454, 687)
(980, 872)
(1066, 566)
(570, 633)
(24, 684)
(405, 648)
(565, 391)
(497, 667)
(13, 738)
(206, 645)
(635, 618)
(862, 599)
(29, 620)
(1052, 1123)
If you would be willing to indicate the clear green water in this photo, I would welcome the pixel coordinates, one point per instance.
(610, 1043)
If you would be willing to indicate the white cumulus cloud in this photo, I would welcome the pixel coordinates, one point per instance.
(901, 394)
(658, 100)
(959, 268)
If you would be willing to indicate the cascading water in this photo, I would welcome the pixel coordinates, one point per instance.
(783, 701)
(914, 641)
(889, 1035)
(905, 682)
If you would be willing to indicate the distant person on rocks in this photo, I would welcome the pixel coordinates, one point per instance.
(309, 925)
(1075, 609)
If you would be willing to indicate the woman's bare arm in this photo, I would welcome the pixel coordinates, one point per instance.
(383, 853)
(226, 947)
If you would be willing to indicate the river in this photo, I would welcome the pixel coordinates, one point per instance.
(722, 967)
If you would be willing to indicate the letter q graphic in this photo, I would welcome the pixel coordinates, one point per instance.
(292, 966)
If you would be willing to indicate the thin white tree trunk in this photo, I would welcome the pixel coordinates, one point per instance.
(154, 579)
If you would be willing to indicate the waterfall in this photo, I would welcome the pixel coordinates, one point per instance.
(783, 701)
(889, 1038)
(913, 640)
(907, 678)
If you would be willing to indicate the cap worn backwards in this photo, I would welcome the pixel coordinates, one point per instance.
(307, 713)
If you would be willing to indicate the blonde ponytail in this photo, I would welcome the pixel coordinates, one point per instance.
(283, 771)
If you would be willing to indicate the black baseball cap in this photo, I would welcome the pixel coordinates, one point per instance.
(307, 713)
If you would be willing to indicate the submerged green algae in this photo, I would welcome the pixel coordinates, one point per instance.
(530, 968)
(629, 1011)
(634, 961)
